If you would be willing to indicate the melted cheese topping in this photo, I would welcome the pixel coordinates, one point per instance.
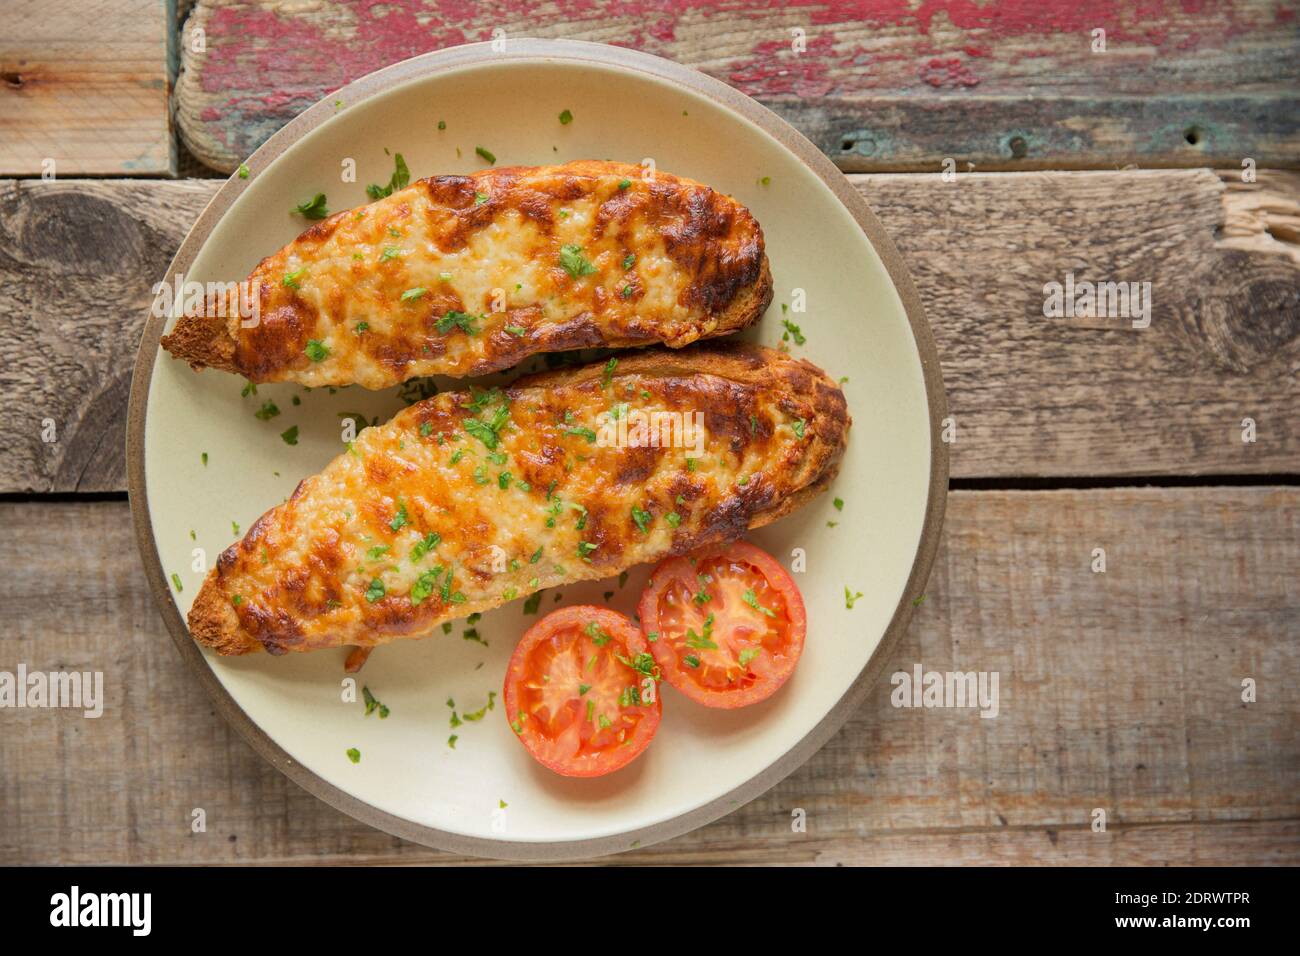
(462, 275)
(463, 502)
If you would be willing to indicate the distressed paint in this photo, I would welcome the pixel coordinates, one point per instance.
(267, 60)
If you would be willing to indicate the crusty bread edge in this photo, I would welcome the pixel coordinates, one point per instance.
(203, 341)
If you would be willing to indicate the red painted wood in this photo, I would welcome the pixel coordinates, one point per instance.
(263, 64)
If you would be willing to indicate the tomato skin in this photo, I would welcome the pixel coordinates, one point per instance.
(564, 729)
(775, 636)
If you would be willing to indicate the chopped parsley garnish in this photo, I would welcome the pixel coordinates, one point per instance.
(643, 663)
(533, 603)
(373, 704)
(792, 330)
(410, 295)
(624, 183)
(390, 253)
(424, 546)
(314, 208)
(566, 118)
(748, 654)
(482, 398)
(203, 457)
(585, 548)
(461, 320)
(503, 480)
(839, 504)
(690, 464)
(480, 198)
(317, 350)
(703, 641)
(574, 262)
(243, 170)
(399, 180)
(488, 431)
(482, 711)
(423, 586)
(442, 124)
(582, 432)
(798, 427)
(673, 519)
(290, 435)
(642, 518)
(486, 155)
(449, 596)
(399, 519)
(480, 475)
(375, 553)
(629, 261)
(176, 582)
(607, 375)
(598, 635)
(354, 754)
(690, 660)
(375, 591)
(361, 328)
(850, 598)
(291, 279)
(517, 330)
(751, 599)
(537, 556)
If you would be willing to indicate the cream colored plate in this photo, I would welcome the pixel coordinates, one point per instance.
(630, 107)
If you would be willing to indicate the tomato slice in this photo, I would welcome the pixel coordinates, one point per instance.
(726, 625)
(577, 696)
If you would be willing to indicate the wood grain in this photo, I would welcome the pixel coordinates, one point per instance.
(86, 85)
(1030, 396)
(1119, 690)
(878, 85)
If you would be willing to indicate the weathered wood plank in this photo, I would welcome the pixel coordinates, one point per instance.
(877, 84)
(87, 92)
(1119, 690)
(1030, 396)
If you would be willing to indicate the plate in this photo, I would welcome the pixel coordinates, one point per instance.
(203, 467)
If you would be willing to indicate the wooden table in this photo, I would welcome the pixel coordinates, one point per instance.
(1121, 690)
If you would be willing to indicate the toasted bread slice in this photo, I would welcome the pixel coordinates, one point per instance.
(464, 502)
(464, 275)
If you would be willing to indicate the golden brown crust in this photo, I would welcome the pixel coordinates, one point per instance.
(570, 507)
(368, 296)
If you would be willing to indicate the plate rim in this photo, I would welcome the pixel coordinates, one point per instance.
(523, 50)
